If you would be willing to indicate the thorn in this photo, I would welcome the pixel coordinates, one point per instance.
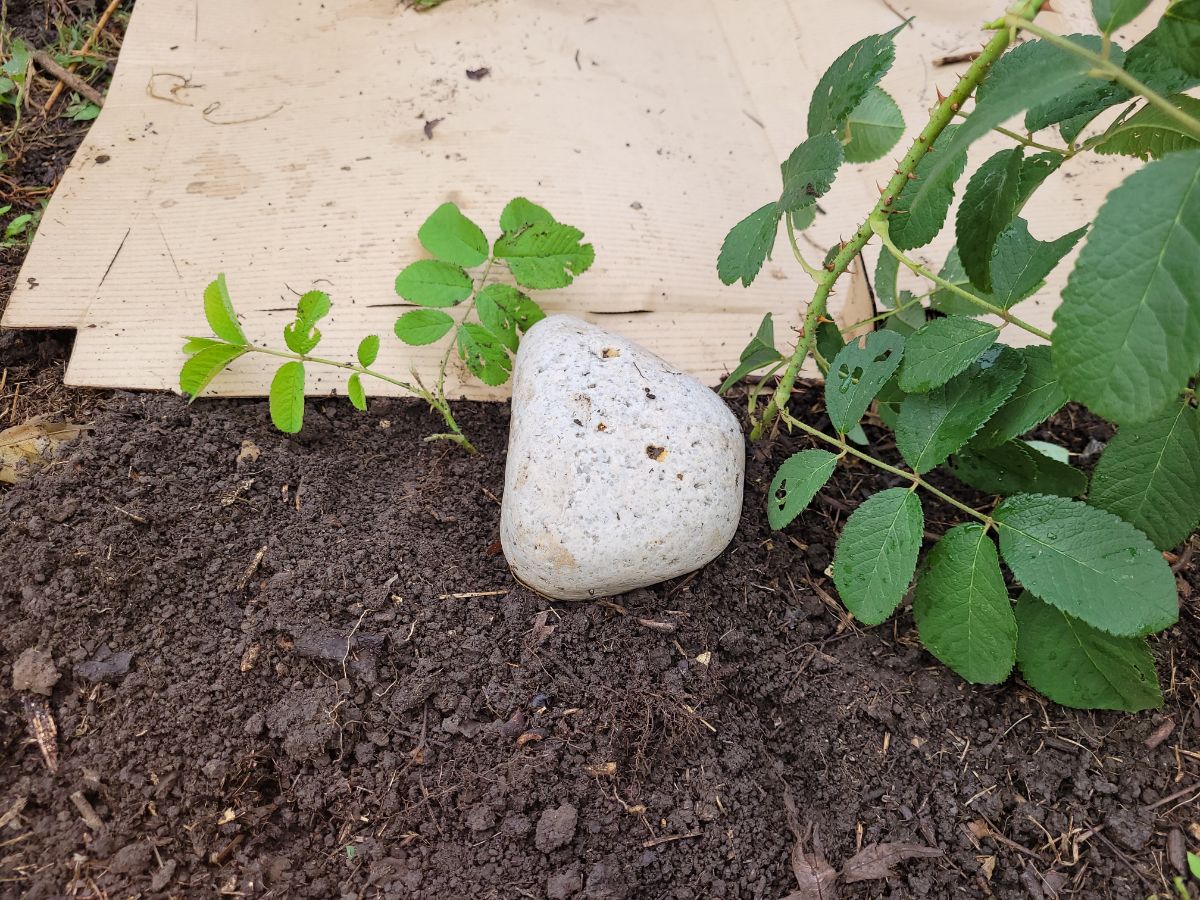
(911, 176)
(940, 95)
(896, 171)
(880, 188)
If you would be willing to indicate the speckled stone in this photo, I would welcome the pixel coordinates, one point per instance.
(622, 471)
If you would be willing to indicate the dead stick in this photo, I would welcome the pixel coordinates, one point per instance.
(654, 842)
(953, 58)
(74, 82)
(87, 45)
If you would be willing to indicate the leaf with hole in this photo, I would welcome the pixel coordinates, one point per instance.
(857, 373)
(546, 255)
(1082, 667)
(962, 609)
(287, 397)
(1149, 475)
(876, 553)
(483, 354)
(748, 245)
(453, 238)
(1128, 330)
(933, 425)
(1088, 563)
(423, 326)
(796, 483)
(941, 349)
(809, 172)
(431, 282)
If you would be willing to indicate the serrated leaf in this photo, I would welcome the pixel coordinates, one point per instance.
(1074, 100)
(1037, 398)
(287, 397)
(204, 365)
(962, 609)
(218, 310)
(873, 128)
(796, 483)
(933, 425)
(988, 205)
(748, 244)
(521, 212)
(368, 349)
(299, 341)
(1128, 328)
(941, 349)
(877, 553)
(1088, 563)
(516, 309)
(1180, 39)
(848, 80)
(1078, 666)
(1016, 467)
(1112, 14)
(483, 354)
(431, 282)
(1149, 475)
(809, 172)
(312, 307)
(545, 255)
(921, 206)
(423, 326)
(196, 344)
(1020, 262)
(760, 352)
(856, 375)
(453, 238)
(1152, 134)
(354, 390)
(886, 271)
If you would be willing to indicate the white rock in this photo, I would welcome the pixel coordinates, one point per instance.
(622, 471)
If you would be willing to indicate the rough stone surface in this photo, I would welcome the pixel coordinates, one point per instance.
(622, 471)
(34, 671)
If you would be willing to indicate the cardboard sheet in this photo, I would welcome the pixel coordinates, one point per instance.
(294, 146)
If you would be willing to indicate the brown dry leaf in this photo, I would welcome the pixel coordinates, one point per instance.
(13, 811)
(541, 630)
(32, 444)
(248, 454)
(45, 732)
(876, 860)
(604, 770)
(816, 879)
(1177, 851)
(250, 657)
(987, 865)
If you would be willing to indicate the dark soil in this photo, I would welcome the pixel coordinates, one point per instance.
(310, 674)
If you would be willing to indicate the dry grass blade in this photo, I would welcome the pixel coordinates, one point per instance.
(43, 729)
(876, 860)
(32, 443)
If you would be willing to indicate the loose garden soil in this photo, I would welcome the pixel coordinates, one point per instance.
(300, 667)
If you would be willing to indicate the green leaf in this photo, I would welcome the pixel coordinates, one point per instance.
(873, 128)
(431, 282)
(848, 80)
(1088, 563)
(809, 172)
(941, 349)
(829, 343)
(218, 309)
(803, 217)
(521, 212)
(1020, 262)
(504, 311)
(453, 238)
(302, 335)
(368, 349)
(354, 390)
(1180, 39)
(962, 609)
(204, 365)
(483, 354)
(856, 375)
(758, 353)
(748, 244)
(933, 425)
(1193, 864)
(1128, 329)
(300, 341)
(287, 397)
(1016, 467)
(947, 301)
(908, 320)
(877, 553)
(1054, 451)
(1023, 74)
(546, 255)
(1037, 398)
(312, 307)
(1077, 666)
(1149, 475)
(1112, 14)
(988, 206)
(1152, 134)
(796, 483)
(196, 344)
(886, 271)
(921, 206)
(1034, 170)
(423, 326)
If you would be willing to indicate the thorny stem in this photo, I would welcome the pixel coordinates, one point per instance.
(456, 435)
(915, 479)
(881, 228)
(1106, 68)
(941, 116)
